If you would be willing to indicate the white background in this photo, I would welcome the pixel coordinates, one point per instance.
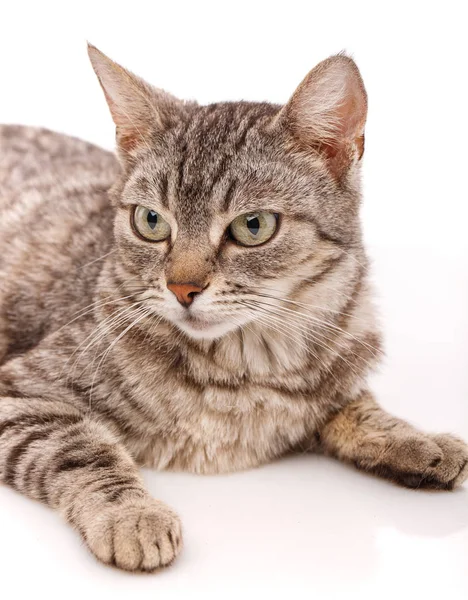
(306, 526)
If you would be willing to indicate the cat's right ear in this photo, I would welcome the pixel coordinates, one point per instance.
(138, 109)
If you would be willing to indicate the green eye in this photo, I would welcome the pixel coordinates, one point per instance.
(150, 225)
(254, 229)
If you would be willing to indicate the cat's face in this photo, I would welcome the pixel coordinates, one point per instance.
(224, 211)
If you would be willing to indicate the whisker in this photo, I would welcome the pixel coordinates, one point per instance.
(363, 266)
(331, 287)
(306, 305)
(269, 319)
(346, 297)
(96, 260)
(322, 322)
(97, 334)
(336, 340)
(90, 308)
(241, 325)
(120, 317)
(272, 322)
(313, 339)
(141, 313)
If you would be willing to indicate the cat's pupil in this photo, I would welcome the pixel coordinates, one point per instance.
(152, 219)
(253, 224)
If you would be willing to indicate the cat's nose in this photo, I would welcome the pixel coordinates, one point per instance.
(185, 292)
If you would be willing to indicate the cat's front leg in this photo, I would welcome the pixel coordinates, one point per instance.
(51, 452)
(364, 434)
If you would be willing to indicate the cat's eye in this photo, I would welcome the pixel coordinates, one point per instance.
(253, 229)
(150, 225)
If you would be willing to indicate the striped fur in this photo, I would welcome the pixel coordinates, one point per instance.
(99, 370)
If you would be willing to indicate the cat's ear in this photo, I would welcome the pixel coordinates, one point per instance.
(327, 112)
(139, 110)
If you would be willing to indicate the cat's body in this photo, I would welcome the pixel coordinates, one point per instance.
(62, 184)
(223, 405)
(101, 368)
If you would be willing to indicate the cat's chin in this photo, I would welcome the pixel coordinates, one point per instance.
(205, 330)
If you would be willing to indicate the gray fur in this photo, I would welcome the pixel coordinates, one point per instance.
(102, 370)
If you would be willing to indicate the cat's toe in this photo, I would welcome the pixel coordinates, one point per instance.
(425, 461)
(136, 536)
(452, 470)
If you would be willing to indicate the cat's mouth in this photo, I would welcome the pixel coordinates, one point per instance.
(201, 327)
(200, 323)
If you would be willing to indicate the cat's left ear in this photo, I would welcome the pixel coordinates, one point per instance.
(138, 109)
(327, 113)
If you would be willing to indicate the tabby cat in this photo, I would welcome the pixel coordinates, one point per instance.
(200, 304)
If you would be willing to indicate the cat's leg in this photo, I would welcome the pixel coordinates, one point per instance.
(51, 452)
(371, 439)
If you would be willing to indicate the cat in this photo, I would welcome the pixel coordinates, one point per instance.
(200, 303)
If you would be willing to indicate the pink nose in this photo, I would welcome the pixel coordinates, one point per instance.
(184, 292)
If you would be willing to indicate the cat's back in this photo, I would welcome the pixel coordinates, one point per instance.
(32, 156)
(53, 213)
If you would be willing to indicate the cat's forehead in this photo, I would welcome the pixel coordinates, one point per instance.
(218, 143)
(220, 158)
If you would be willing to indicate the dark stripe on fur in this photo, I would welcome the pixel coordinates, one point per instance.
(228, 196)
(13, 459)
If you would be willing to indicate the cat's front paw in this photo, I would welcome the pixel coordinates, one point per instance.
(452, 470)
(425, 461)
(138, 535)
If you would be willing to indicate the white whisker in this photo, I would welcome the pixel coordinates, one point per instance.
(90, 308)
(96, 260)
(321, 322)
(97, 334)
(142, 312)
(308, 336)
(300, 317)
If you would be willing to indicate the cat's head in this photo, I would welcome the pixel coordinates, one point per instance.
(223, 210)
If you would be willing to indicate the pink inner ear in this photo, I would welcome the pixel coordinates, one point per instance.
(127, 141)
(348, 138)
(351, 114)
(328, 112)
(128, 137)
(129, 134)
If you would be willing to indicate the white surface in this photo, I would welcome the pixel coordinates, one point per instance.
(306, 526)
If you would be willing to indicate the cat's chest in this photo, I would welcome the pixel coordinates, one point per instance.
(212, 413)
(208, 428)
